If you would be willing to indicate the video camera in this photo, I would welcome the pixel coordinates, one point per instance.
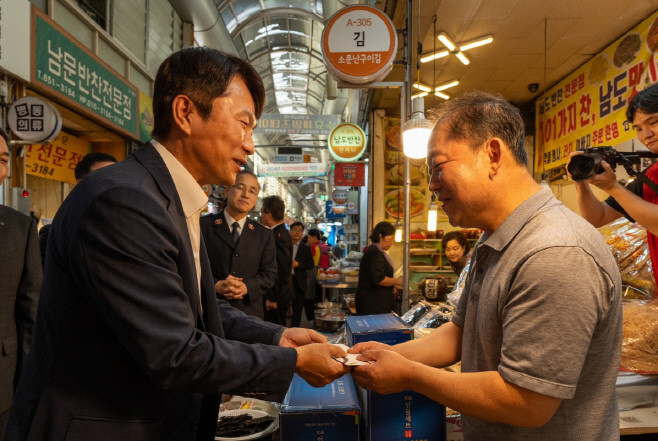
(585, 166)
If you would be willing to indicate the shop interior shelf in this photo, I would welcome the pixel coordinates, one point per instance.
(412, 269)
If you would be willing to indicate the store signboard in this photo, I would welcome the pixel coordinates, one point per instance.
(359, 44)
(15, 37)
(64, 67)
(277, 159)
(349, 175)
(351, 228)
(339, 197)
(56, 160)
(33, 119)
(285, 170)
(286, 124)
(334, 211)
(347, 142)
(146, 120)
(588, 108)
(351, 239)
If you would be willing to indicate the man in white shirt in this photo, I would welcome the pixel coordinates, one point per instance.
(130, 341)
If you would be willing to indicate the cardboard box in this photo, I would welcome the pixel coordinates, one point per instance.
(331, 413)
(405, 416)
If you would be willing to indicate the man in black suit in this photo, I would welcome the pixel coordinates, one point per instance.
(131, 342)
(20, 282)
(89, 163)
(301, 264)
(278, 298)
(242, 252)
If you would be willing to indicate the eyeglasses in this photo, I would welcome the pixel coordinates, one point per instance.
(242, 188)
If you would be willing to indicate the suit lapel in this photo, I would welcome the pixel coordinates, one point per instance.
(222, 230)
(149, 157)
(247, 235)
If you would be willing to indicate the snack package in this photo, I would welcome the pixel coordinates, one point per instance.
(456, 293)
(628, 244)
(430, 321)
(416, 311)
(639, 352)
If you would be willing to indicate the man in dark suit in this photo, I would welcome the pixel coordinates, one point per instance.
(278, 298)
(242, 252)
(302, 263)
(20, 282)
(131, 342)
(89, 163)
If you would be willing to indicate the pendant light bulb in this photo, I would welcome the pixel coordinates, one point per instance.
(398, 231)
(432, 214)
(417, 131)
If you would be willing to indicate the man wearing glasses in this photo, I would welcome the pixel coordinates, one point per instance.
(242, 252)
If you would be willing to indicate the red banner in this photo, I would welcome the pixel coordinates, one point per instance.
(349, 175)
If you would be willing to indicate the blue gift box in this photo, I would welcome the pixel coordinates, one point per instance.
(330, 413)
(407, 415)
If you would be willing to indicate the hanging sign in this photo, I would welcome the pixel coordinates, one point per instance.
(287, 124)
(588, 108)
(349, 175)
(66, 68)
(339, 197)
(287, 158)
(359, 44)
(15, 37)
(347, 142)
(56, 160)
(33, 119)
(334, 211)
(284, 170)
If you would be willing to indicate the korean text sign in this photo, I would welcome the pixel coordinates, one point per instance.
(588, 108)
(62, 66)
(56, 160)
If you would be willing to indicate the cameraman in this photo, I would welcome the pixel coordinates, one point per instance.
(636, 201)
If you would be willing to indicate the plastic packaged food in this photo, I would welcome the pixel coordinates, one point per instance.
(416, 312)
(639, 351)
(430, 321)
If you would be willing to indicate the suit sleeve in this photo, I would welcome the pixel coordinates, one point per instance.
(136, 287)
(266, 277)
(305, 258)
(283, 269)
(27, 296)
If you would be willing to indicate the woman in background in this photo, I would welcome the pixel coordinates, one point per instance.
(375, 293)
(456, 249)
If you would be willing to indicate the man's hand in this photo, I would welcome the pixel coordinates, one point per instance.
(369, 346)
(315, 365)
(295, 264)
(297, 337)
(387, 373)
(269, 305)
(604, 181)
(231, 288)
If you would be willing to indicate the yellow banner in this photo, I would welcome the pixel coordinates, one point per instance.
(57, 160)
(588, 108)
(145, 117)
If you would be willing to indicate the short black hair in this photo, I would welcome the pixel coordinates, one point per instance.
(476, 117)
(4, 136)
(646, 102)
(87, 162)
(297, 224)
(383, 229)
(202, 74)
(315, 233)
(275, 206)
(459, 237)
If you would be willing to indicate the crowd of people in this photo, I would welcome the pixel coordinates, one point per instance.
(148, 312)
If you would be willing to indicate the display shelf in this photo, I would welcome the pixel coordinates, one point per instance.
(430, 271)
(425, 240)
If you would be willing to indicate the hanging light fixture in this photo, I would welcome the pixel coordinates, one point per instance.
(398, 231)
(432, 214)
(417, 131)
(452, 48)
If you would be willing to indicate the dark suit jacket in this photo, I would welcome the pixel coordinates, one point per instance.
(43, 242)
(20, 282)
(304, 258)
(370, 297)
(282, 292)
(254, 259)
(121, 350)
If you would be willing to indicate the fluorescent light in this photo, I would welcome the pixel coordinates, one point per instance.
(447, 85)
(443, 38)
(462, 58)
(442, 95)
(422, 87)
(419, 95)
(476, 43)
(435, 55)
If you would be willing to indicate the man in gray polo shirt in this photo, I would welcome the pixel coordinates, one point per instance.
(539, 325)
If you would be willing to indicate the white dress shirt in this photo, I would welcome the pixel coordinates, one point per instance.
(295, 247)
(193, 199)
(230, 221)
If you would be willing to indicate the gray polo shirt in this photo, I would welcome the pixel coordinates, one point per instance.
(542, 306)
